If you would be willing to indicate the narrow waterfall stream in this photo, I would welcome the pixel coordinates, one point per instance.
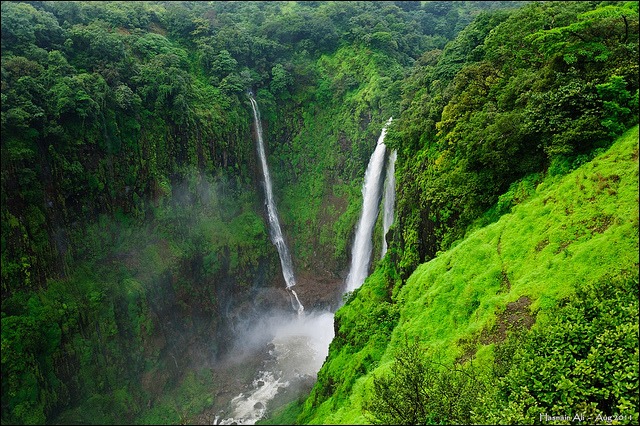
(362, 244)
(274, 222)
(292, 348)
(389, 199)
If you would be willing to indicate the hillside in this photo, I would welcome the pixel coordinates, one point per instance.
(561, 267)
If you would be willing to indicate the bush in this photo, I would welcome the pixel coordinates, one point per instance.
(420, 390)
(583, 363)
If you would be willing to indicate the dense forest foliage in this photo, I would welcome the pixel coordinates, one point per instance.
(537, 91)
(132, 217)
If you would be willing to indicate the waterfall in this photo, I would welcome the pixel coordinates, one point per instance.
(362, 244)
(274, 224)
(389, 199)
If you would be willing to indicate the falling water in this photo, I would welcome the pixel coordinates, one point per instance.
(362, 245)
(276, 232)
(389, 199)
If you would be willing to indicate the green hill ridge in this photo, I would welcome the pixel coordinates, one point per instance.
(568, 248)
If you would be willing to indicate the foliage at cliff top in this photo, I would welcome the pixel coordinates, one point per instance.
(539, 89)
(105, 105)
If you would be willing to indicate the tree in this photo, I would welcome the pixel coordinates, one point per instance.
(24, 26)
(583, 362)
(420, 390)
(281, 81)
(223, 64)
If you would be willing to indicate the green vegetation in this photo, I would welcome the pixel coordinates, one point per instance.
(133, 220)
(582, 364)
(99, 340)
(284, 415)
(541, 305)
(540, 89)
(422, 391)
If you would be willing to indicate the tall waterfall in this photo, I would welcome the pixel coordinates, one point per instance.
(389, 199)
(274, 224)
(362, 244)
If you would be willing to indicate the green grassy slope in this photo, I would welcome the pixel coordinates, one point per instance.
(572, 232)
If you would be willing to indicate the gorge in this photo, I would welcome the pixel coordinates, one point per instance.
(300, 345)
(208, 216)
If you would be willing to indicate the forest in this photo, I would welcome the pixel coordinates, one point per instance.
(135, 240)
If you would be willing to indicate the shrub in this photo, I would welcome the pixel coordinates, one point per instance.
(420, 390)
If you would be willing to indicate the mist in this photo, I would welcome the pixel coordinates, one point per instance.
(217, 306)
(286, 350)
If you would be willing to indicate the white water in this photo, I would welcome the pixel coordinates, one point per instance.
(389, 199)
(274, 223)
(249, 408)
(362, 244)
(300, 346)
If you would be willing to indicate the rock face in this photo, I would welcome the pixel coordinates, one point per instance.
(319, 292)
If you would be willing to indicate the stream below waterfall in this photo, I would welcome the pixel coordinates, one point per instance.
(286, 352)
